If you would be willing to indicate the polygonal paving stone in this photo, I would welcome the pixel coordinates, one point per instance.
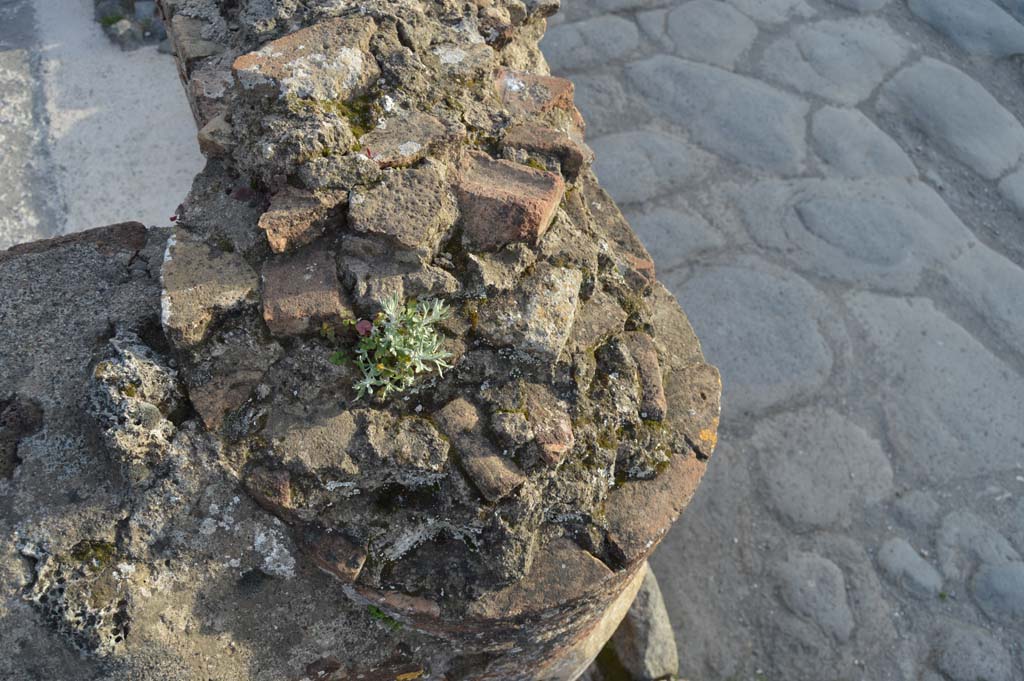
(674, 235)
(861, 5)
(1012, 189)
(840, 60)
(710, 31)
(852, 146)
(819, 469)
(979, 27)
(773, 11)
(813, 587)
(957, 114)
(763, 327)
(503, 202)
(965, 652)
(868, 231)
(734, 116)
(590, 43)
(639, 165)
(951, 407)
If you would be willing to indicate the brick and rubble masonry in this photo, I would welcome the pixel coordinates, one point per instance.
(249, 516)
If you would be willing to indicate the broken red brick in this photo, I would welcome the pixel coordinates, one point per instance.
(544, 141)
(301, 292)
(297, 217)
(502, 202)
(526, 94)
(551, 424)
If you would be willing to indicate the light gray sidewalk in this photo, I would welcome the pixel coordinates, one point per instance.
(89, 135)
(833, 190)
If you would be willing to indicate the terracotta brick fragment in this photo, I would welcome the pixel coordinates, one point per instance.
(526, 94)
(551, 424)
(301, 291)
(333, 553)
(542, 140)
(296, 217)
(653, 405)
(400, 603)
(406, 139)
(504, 202)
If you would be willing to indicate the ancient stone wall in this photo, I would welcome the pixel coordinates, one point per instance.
(271, 504)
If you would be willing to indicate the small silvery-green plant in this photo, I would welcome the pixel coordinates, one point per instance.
(399, 344)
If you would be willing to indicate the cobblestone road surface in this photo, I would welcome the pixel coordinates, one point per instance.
(834, 192)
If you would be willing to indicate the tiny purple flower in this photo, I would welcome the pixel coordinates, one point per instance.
(364, 327)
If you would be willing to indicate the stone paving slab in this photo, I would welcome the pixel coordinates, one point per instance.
(834, 190)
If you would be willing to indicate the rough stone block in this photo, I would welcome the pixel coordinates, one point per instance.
(494, 475)
(297, 217)
(200, 282)
(410, 209)
(529, 94)
(325, 62)
(406, 139)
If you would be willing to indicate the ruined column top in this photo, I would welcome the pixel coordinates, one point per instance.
(400, 315)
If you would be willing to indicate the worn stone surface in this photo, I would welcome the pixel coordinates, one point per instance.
(957, 114)
(710, 32)
(830, 472)
(644, 643)
(639, 166)
(815, 588)
(907, 569)
(842, 61)
(907, 187)
(968, 653)
(728, 114)
(981, 28)
(853, 146)
(200, 282)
